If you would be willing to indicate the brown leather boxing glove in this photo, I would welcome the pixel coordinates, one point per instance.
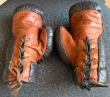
(29, 45)
(83, 47)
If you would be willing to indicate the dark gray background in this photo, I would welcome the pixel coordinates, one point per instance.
(54, 77)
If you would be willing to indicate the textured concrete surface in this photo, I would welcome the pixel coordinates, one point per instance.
(54, 77)
(107, 2)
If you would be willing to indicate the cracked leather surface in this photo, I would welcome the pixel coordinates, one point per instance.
(54, 77)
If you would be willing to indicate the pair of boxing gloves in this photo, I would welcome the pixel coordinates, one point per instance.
(82, 48)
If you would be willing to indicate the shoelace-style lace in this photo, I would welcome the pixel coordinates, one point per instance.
(17, 84)
(86, 83)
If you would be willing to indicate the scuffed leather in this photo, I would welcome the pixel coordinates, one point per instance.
(86, 27)
(87, 23)
(10, 49)
(49, 46)
(37, 42)
(54, 77)
(26, 23)
(66, 45)
(29, 7)
(103, 79)
(88, 5)
(34, 71)
(8, 59)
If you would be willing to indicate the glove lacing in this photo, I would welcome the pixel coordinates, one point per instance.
(17, 84)
(87, 81)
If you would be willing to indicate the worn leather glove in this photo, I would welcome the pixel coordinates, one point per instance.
(30, 44)
(83, 46)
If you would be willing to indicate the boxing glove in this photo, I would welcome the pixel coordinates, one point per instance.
(83, 47)
(30, 45)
